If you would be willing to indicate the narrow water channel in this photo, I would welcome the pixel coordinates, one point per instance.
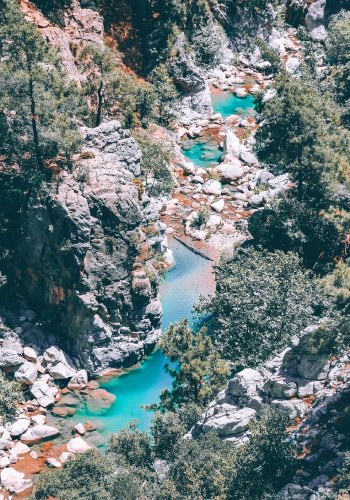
(191, 277)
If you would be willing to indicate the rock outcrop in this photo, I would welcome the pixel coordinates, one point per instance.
(68, 30)
(299, 377)
(76, 261)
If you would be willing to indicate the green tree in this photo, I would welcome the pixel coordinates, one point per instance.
(319, 237)
(155, 166)
(133, 446)
(10, 395)
(261, 300)
(99, 66)
(90, 475)
(166, 94)
(37, 104)
(267, 462)
(197, 369)
(338, 56)
(294, 135)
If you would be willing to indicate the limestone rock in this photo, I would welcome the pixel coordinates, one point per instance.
(232, 145)
(9, 358)
(232, 171)
(80, 429)
(245, 382)
(218, 206)
(30, 354)
(228, 420)
(19, 426)
(212, 187)
(315, 19)
(79, 380)
(77, 445)
(44, 394)
(38, 433)
(20, 449)
(53, 462)
(27, 373)
(14, 481)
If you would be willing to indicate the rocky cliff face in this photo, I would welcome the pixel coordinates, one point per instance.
(79, 243)
(310, 386)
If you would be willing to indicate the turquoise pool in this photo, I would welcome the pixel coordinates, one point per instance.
(227, 103)
(203, 151)
(191, 277)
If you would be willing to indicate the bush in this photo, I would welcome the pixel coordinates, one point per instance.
(10, 396)
(267, 462)
(90, 475)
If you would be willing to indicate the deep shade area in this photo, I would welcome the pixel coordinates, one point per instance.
(191, 277)
(228, 104)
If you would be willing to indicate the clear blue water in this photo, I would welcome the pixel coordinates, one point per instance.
(228, 104)
(202, 151)
(191, 277)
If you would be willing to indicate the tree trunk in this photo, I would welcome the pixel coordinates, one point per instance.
(99, 104)
(35, 125)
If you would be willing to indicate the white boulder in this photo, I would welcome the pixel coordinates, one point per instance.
(53, 462)
(30, 354)
(20, 449)
(212, 187)
(19, 426)
(44, 394)
(218, 206)
(77, 445)
(80, 429)
(232, 171)
(9, 357)
(79, 380)
(14, 481)
(27, 373)
(232, 145)
(38, 433)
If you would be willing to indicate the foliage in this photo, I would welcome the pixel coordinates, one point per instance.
(201, 218)
(197, 369)
(165, 93)
(158, 180)
(337, 285)
(10, 396)
(338, 56)
(89, 475)
(344, 476)
(261, 300)
(291, 225)
(267, 462)
(133, 446)
(37, 104)
(298, 137)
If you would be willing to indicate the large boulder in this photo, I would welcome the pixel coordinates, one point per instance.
(228, 420)
(39, 433)
(212, 187)
(79, 380)
(78, 445)
(14, 481)
(309, 356)
(19, 426)
(232, 145)
(315, 19)
(248, 381)
(27, 373)
(44, 394)
(9, 358)
(232, 171)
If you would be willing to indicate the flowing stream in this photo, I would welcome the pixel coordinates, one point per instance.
(191, 277)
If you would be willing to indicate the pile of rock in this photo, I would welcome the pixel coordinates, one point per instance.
(296, 383)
